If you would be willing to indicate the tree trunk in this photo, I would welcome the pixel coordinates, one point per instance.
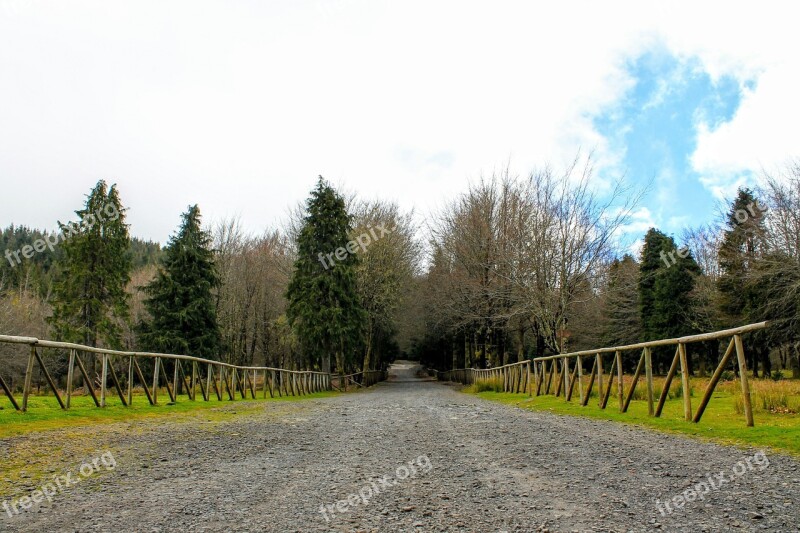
(766, 364)
(368, 355)
(539, 345)
(326, 362)
(467, 355)
(340, 362)
(482, 349)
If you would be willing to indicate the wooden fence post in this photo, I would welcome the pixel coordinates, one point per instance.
(687, 399)
(530, 381)
(620, 384)
(668, 381)
(142, 380)
(130, 380)
(8, 393)
(604, 397)
(590, 385)
(193, 394)
(49, 378)
(648, 369)
(573, 378)
(559, 378)
(634, 381)
(748, 407)
(26, 390)
(714, 380)
(70, 376)
(156, 373)
(599, 358)
(176, 386)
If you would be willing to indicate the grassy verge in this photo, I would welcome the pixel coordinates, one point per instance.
(720, 422)
(48, 440)
(44, 412)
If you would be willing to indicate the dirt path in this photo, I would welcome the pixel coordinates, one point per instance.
(423, 457)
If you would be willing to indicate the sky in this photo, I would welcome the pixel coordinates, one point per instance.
(238, 106)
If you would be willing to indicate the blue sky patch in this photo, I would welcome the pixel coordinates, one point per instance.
(654, 126)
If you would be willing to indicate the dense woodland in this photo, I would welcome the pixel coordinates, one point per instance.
(525, 267)
(513, 268)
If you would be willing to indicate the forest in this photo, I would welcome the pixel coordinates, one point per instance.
(514, 267)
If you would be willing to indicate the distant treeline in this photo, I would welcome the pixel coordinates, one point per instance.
(37, 271)
(527, 267)
(214, 292)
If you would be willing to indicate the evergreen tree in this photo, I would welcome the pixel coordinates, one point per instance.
(656, 247)
(324, 308)
(180, 299)
(742, 245)
(89, 298)
(666, 279)
(741, 250)
(673, 305)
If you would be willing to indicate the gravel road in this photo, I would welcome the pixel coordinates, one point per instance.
(415, 455)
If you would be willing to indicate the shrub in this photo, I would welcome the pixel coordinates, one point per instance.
(780, 397)
(487, 385)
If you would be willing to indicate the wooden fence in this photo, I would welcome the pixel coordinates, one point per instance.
(188, 374)
(360, 379)
(536, 376)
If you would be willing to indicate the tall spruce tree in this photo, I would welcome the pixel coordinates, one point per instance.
(742, 245)
(666, 279)
(180, 299)
(741, 250)
(89, 298)
(324, 308)
(656, 246)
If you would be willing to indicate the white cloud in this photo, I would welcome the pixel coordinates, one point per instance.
(240, 106)
(762, 134)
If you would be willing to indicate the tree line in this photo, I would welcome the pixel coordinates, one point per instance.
(218, 292)
(515, 267)
(523, 267)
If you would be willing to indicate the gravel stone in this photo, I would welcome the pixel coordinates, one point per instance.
(494, 468)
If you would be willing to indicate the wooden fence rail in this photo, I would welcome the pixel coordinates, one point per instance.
(559, 374)
(359, 379)
(188, 374)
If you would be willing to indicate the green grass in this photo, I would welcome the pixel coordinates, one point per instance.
(44, 413)
(47, 439)
(720, 422)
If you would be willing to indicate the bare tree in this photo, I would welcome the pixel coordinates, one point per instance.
(389, 258)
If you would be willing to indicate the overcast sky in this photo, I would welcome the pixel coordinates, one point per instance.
(238, 106)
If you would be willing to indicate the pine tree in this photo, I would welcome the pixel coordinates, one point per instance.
(324, 308)
(666, 279)
(741, 249)
(180, 299)
(89, 298)
(656, 247)
(673, 305)
(742, 245)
